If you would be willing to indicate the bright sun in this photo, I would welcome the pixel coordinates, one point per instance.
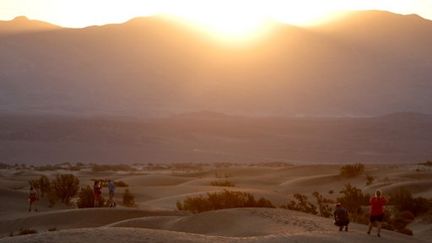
(240, 19)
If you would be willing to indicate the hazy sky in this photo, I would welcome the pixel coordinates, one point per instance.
(222, 13)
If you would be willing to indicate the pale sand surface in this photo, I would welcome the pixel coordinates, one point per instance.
(157, 220)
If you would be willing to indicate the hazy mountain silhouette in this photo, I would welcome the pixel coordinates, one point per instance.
(212, 137)
(22, 24)
(368, 63)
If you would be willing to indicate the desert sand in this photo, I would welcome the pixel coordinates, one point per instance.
(156, 219)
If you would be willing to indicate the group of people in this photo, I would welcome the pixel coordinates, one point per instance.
(97, 194)
(376, 214)
(33, 196)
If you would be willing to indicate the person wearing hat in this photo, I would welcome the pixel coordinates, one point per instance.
(341, 217)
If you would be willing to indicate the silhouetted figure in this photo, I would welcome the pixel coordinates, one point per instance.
(97, 192)
(32, 199)
(341, 217)
(377, 203)
(111, 190)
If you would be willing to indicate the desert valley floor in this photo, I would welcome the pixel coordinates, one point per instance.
(156, 218)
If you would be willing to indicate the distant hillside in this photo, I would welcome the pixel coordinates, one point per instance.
(369, 63)
(24, 25)
(212, 137)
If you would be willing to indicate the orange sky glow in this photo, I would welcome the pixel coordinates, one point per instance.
(224, 17)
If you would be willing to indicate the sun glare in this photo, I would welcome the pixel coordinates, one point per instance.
(224, 19)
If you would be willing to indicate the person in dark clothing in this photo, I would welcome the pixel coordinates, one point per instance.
(341, 217)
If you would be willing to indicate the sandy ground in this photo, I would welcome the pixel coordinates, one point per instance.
(156, 219)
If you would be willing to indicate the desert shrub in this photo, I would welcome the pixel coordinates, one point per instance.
(401, 221)
(330, 192)
(221, 200)
(352, 170)
(52, 229)
(4, 166)
(65, 187)
(427, 163)
(369, 180)
(323, 205)
(128, 199)
(353, 198)
(403, 200)
(225, 183)
(301, 203)
(120, 184)
(119, 167)
(24, 231)
(85, 197)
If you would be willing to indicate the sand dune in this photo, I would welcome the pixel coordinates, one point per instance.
(156, 218)
(233, 225)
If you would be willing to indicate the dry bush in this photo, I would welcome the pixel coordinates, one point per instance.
(352, 170)
(404, 201)
(301, 203)
(65, 186)
(24, 231)
(221, 200)
(85, 198)
(224, 183)
(128, 199)
(120, 184)
(42, 185)
(323, 205)
(369, 180)
(118, 167)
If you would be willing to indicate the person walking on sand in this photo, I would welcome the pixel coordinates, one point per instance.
(97, 192)
(341, 217)
(32, 199)
(111, 190)
(377, 203)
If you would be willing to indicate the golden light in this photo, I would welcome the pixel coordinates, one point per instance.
(224, 19)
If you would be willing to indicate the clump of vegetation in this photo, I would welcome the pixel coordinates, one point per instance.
(352, 170)
(85, 198)
(118, 167)
(404, 201)
(323, 205)
(352, 199)
(369, 180)
(301, 203)
(427, 163)
(65, 187)
(42, 185)
(224, 183)
(24, 231)
(222, 200)
(128, 199)
(120, 184)
(400, 222)
(52, 229)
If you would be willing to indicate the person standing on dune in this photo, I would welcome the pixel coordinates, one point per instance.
(32, 199)
(97, 192)
(111, 190)
(377, 203)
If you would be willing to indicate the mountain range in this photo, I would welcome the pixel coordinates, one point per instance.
(368, 63)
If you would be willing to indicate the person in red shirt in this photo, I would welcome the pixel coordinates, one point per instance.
(377, 203)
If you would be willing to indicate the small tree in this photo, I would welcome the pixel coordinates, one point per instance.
(65, 187)
(352, 170)
(128, 199)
